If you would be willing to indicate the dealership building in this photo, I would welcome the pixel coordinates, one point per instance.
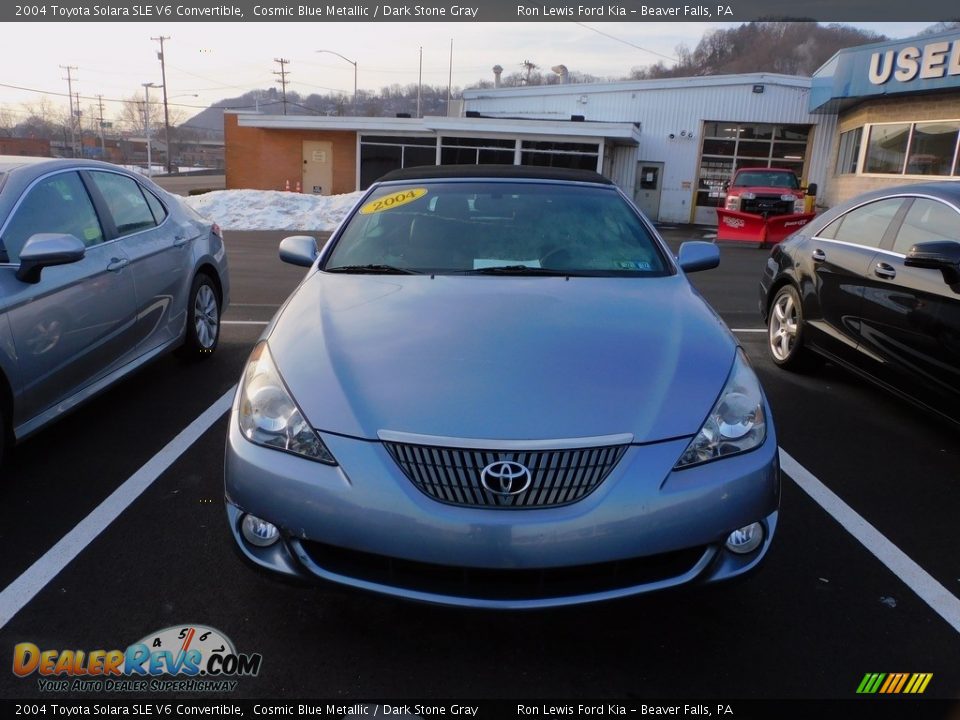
(872, 116)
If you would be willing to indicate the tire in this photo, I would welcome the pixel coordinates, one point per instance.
(785, 332)
(203, 319)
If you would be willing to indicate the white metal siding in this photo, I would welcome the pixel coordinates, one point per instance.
(665, 110)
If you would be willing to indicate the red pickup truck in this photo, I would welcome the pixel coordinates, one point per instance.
(763, 205)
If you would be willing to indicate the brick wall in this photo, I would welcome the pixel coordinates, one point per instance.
(264, 159)
(25, 146)
(916, 108)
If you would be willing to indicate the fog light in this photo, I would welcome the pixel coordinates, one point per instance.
(258, 532)
(746, 539)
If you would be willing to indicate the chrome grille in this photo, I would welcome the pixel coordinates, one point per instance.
(558, 477)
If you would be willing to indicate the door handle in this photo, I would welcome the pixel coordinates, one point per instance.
(818, 255)
(884, 271)
(180, 240)
(117, 264)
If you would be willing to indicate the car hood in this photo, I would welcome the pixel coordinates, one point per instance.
(502, 357)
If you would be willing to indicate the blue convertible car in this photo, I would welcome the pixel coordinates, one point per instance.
(495, 387)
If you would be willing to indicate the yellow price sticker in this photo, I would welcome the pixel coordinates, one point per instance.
(388, 202)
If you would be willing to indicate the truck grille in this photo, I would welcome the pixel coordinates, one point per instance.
(452, 475)
(769, 204)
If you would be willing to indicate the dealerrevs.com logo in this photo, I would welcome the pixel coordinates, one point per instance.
(201, 658)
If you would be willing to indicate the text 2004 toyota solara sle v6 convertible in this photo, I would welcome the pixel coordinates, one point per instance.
(496, 388)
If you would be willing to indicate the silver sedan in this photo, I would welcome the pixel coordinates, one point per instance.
(100, 272)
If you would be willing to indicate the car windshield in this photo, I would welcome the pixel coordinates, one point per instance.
(497, 227)
(760, 178)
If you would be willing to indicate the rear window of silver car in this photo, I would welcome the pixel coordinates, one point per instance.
(475, 226)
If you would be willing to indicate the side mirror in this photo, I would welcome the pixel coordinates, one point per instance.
(697, 255)
(299, 250)
(942, 255)
(45, 250)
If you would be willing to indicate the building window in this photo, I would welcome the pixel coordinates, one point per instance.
(923, 149)
(542, 153)
(849, 153)
(379, 154)
(933, 148)
(476, 151)
(887, 148)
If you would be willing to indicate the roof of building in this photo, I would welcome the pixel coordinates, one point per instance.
(446, 172)
(870, 71)
(698, 81)
(621, 132)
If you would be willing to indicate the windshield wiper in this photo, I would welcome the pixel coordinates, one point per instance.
(521, 270)
(372, 269)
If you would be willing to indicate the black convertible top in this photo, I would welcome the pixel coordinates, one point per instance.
(446, 172)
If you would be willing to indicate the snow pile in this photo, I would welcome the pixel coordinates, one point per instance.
(273, 209)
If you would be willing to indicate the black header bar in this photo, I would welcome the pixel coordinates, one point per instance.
(322, 11)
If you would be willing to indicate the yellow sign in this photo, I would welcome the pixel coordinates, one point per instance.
(388, 202)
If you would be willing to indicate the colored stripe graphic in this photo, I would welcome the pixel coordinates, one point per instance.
(894, 683)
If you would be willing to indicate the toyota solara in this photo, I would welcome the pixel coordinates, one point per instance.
(495, 387)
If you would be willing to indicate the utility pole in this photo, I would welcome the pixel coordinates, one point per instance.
(166, 112)
(79, 121)
(283, 79)
(103, 143)
(450, 79)
(73, 127)
(146, 90)
(420, 83)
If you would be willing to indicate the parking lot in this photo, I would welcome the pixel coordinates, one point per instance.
(863, 575)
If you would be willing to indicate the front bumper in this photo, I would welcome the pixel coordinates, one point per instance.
(364, 524)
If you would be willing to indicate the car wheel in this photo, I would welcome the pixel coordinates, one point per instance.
(785, 331)
(203, 319)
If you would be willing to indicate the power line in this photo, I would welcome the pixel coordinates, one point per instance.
(627, 42)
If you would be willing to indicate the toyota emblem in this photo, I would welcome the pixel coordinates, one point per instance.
(505, 477)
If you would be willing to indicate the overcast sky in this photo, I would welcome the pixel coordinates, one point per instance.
(217, 60)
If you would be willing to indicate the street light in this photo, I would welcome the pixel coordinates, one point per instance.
(354, 63)
(146, 89)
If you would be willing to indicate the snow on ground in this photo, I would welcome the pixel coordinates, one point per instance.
(273, 209)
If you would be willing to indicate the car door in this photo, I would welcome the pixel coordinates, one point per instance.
(76, 324)
(911, 316)
(837, 262)
(159, 255)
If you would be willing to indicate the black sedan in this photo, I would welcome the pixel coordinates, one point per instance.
(874, 285)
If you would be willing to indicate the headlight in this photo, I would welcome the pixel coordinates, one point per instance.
(749, 195)
(735, 424)
(733, 202)
(268, 415)
(788, 197)
(799, 205)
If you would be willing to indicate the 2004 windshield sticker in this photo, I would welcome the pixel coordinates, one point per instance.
(393, 200)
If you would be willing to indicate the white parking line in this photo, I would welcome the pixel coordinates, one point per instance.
(22, 590)
(748, 330)
(244, 322)
(945, 604)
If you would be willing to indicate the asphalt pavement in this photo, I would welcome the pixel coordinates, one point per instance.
(823, 610)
